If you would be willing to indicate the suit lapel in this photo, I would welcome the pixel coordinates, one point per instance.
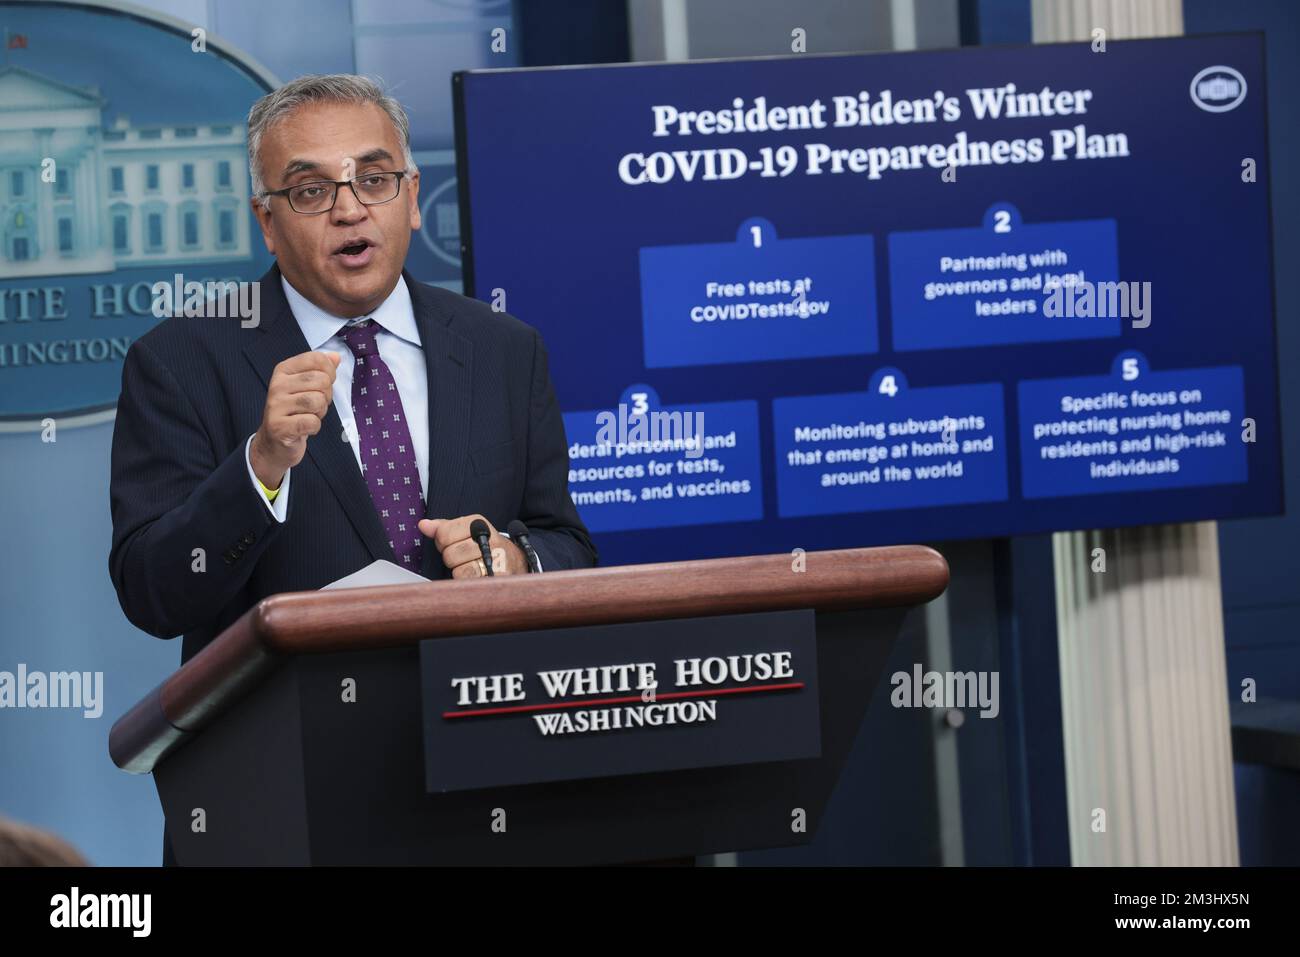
(280, 338)
(449, 362)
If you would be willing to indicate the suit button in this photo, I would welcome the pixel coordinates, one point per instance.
(248, 538)
(231, 555)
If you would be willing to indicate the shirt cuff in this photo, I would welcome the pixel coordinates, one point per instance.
(506, 536)
(280, 506)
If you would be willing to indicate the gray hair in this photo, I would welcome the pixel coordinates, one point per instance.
(317, 88)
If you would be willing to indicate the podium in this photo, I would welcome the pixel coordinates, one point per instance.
(299, 736)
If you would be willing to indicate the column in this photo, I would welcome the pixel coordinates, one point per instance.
(1143, 681)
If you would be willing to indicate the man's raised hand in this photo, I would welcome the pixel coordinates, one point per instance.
(296, 403)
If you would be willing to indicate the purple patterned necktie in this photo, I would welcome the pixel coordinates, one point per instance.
(387, 455)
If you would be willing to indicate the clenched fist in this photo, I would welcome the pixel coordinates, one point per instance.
(296, 403)
(461, 554)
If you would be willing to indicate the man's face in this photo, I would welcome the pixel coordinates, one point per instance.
(335, 141)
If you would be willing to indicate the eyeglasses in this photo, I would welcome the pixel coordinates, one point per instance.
(319, 196)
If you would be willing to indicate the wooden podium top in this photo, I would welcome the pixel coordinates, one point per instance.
(354, 619)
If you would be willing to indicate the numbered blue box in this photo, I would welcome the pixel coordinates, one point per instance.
(887, 415)
(698, 306)
(1187, 429)
(929, 310)
(619, 490)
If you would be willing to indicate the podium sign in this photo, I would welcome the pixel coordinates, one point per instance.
(606, 700)
(369, 726)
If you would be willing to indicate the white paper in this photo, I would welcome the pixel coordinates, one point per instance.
(381, 572)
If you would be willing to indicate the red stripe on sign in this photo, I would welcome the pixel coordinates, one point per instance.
(707, 693)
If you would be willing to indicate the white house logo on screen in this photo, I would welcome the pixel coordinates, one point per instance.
(121, 167)
(1218, 89)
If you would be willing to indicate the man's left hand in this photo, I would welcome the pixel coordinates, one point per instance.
(461, 553)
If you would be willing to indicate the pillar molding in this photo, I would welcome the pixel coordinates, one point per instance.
(1144, 696)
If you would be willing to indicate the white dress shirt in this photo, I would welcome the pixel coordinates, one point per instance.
(398, 342)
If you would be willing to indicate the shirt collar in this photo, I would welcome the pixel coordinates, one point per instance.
(395, 314)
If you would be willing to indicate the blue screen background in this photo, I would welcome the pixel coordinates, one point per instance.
(550, 223)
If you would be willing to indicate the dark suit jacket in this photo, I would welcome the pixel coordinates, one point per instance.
(193, 390)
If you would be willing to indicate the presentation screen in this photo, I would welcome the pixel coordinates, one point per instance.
(829, 301)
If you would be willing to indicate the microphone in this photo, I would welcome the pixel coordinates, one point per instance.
(478, 530)
(518, 532)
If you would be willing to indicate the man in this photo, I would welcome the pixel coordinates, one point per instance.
(364, 416)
